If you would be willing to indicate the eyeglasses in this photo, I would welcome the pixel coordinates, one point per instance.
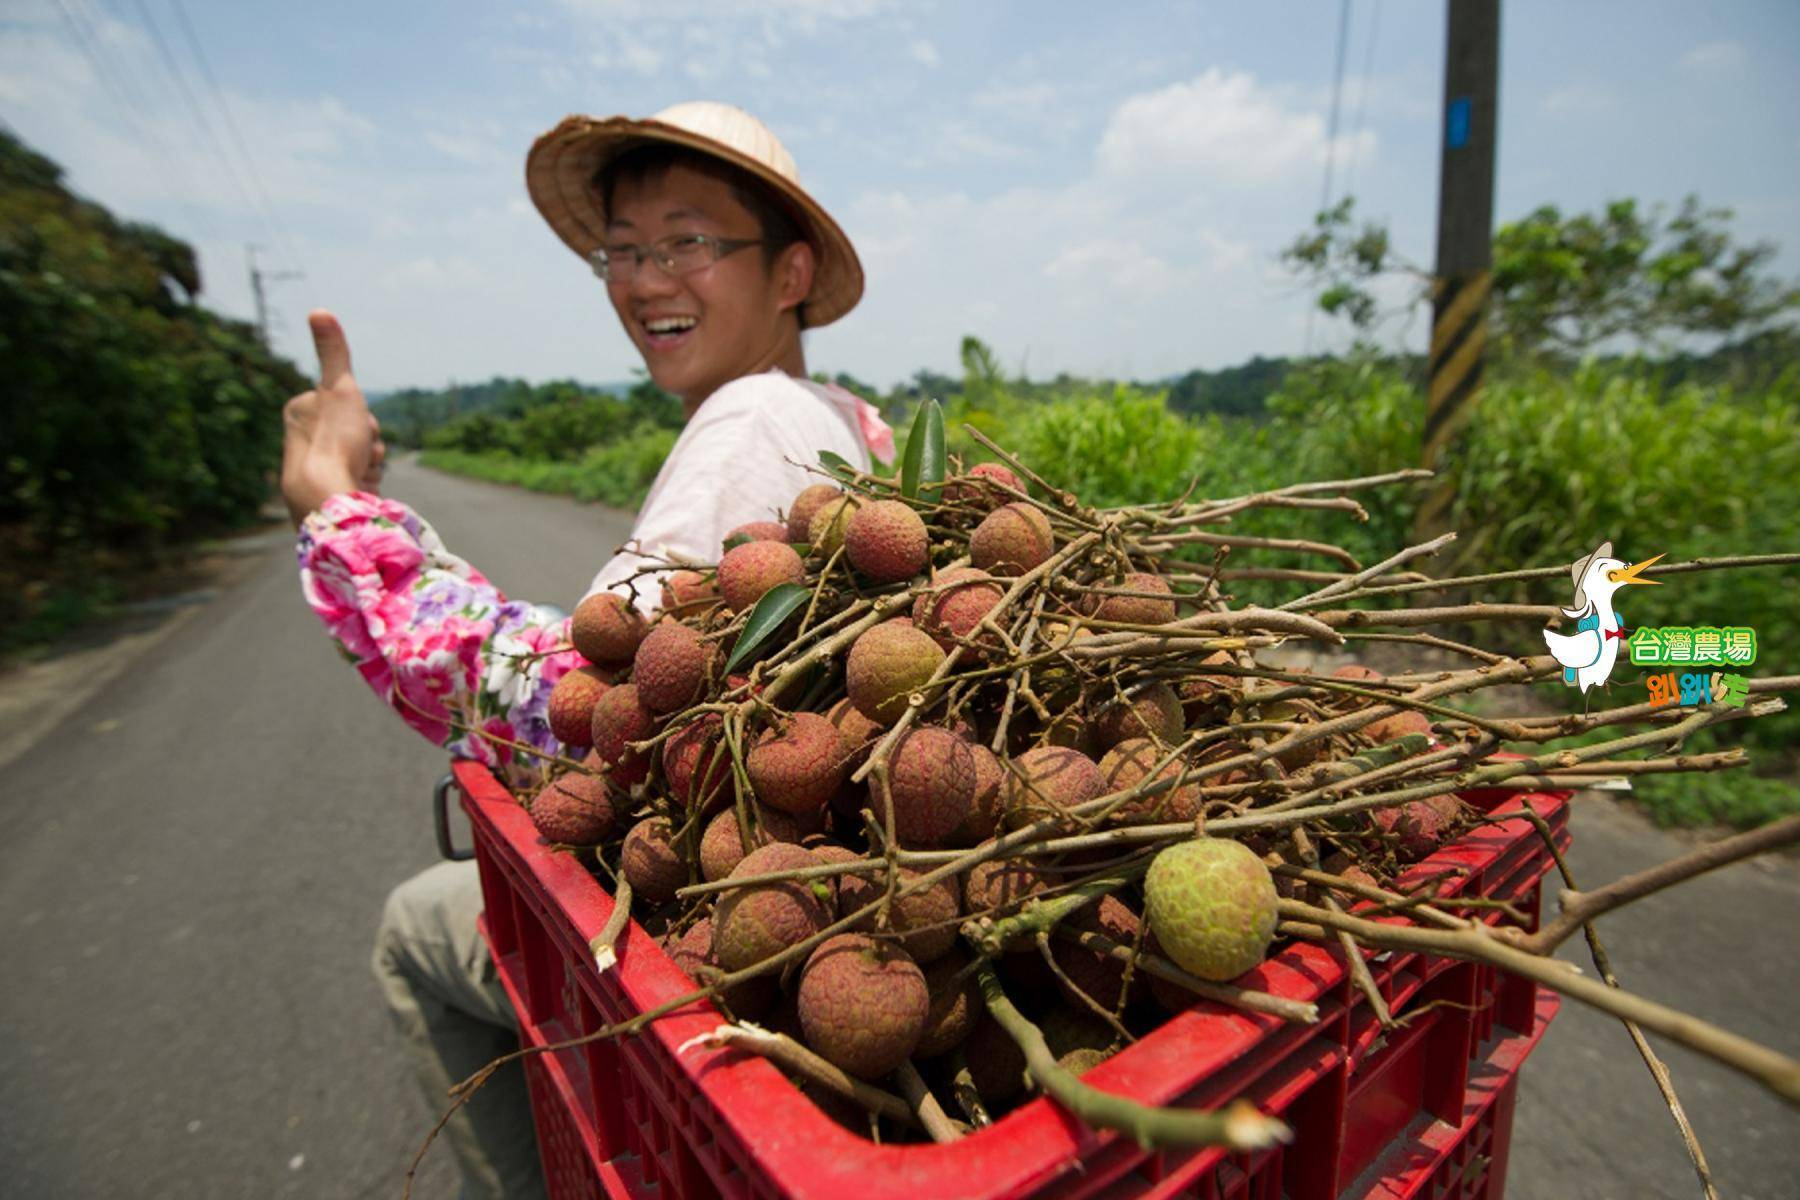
(679, 254)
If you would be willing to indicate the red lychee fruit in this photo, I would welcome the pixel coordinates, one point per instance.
(759, 921)
(931, 777)
(886, 541)
(1149, 710)
(1127, 764)
(606, 629)
(1420, 825)
(955, 1005)
(571, 707)
(799, 768)
(885, 666)
(926, 920)
(1011, 540)
(955, 604)
(670, 667)
(721, 849)
(1135, 610)
(749, 1000)
(1100, 976)
(697, 765)
(863, 1004)
(760, 531)
(825, 532)
(574, 810)
(619, 720)
(680, 589)
(1000, 885)
(985, 809)
(810, 500)
(858, 733)
(752, 569)
(1049, 781)
(975, 487)
(651, 861)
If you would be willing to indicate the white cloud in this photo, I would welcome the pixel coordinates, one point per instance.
(429, 272)
(1223, 127)
(1715, 56)
(923, 52)
(1578, 99)
(1124, 267)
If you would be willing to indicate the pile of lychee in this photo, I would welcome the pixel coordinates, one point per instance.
(695, 774)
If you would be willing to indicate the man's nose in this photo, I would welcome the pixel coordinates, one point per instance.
(649, 279)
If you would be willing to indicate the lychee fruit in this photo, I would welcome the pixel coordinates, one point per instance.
(810, 500)
(1127, 764)
(670, 667)
(999, 885)
(697, 765)
(955, 604)
(1207, 698)
(683, 588)
(747, 1000)
(996, 1064)
(574, 810)
(825, 532)
(975, 487)
(760, 531)
(931, 777)
(799, 768)
(831, 852)
(858, 733)
(1011, 540)
(955, 1005)
(1100, 976)
(1419, 825)
(1398, 725)
(571, 707)
(619, 719)
(887, 542)
(1149, 710)
(652, 862)
(1049, 781)
(1079, 1040)
(926, 920)
(759, 921)
(721, 849)
(1136, 610)
(1212, 903)
(863, 1004)
(886, 664)
(986, 807)
(753, 568)
(606, 629)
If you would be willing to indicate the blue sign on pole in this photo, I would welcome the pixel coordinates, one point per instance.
(1456, 124)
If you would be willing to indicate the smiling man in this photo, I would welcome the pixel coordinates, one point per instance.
(715, 259)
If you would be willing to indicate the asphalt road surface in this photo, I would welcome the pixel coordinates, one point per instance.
(193, 862)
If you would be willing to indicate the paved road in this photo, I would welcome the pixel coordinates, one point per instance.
(191, 867)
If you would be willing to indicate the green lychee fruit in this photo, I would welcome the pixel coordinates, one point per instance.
(1135, 610)
(571, 706)
(670, 667)
(1011, 540)
(825, 532)
(619, 719)
(747, 1000)
(574, 810)
(887, 542)
(748, 571)
(1127, 764)
(799, 768)
(863, 1004)
(931, 777)
(696, 764)
(885, 666)
(954, 605)
(955, 1004)
(926, 920)
(757, 922)
(810, 500)
(1049, 781)
(652, 862)
(1212, 903)
(985, 809)
(606, 629)
(1148, 710)
(1079, 1039)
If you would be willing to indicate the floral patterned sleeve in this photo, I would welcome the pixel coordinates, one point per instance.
(431, 636)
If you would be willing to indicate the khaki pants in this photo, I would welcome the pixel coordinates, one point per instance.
(439, 984)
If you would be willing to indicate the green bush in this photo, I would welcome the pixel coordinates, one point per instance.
(618, 473)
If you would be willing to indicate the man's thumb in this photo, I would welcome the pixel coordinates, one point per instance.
(332, 348)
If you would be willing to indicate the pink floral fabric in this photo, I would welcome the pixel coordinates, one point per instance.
(431, 636)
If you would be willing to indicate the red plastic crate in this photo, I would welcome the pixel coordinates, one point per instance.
(631, 1118)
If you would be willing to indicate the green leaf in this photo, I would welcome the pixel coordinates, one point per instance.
(736, 540)
(836, 462)
(771, 612)
(924, 464)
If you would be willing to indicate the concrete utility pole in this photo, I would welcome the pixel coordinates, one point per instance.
(1465, 237)
(257, 278)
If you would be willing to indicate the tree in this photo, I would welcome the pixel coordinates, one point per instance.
(1572, 284)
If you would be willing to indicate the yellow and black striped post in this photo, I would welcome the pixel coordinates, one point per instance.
(1464, 243)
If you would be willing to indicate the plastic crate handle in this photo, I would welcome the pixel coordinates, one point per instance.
(440, 811)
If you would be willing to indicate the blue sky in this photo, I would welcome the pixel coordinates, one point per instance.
(1092, 188)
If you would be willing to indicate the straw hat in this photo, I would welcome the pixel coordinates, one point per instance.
(560, 169)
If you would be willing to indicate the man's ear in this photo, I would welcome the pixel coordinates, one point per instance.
(794, 275)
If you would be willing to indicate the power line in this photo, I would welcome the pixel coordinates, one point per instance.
(231, 127)
(1362, 94)
(187, 94)
(1337, 95)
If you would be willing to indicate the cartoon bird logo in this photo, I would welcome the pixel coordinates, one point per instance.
(1588, 654)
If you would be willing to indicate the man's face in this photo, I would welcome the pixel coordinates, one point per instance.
(737, 303)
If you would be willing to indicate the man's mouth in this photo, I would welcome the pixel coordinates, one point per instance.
(665, 333)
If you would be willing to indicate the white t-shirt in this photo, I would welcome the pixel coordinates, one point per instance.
(741, 457)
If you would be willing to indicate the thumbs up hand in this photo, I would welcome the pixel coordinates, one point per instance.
(332, 442)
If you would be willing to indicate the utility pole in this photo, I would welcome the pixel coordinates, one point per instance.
(257, 278)
(1465, 239)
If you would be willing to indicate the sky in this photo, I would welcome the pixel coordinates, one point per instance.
(1097, 189)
